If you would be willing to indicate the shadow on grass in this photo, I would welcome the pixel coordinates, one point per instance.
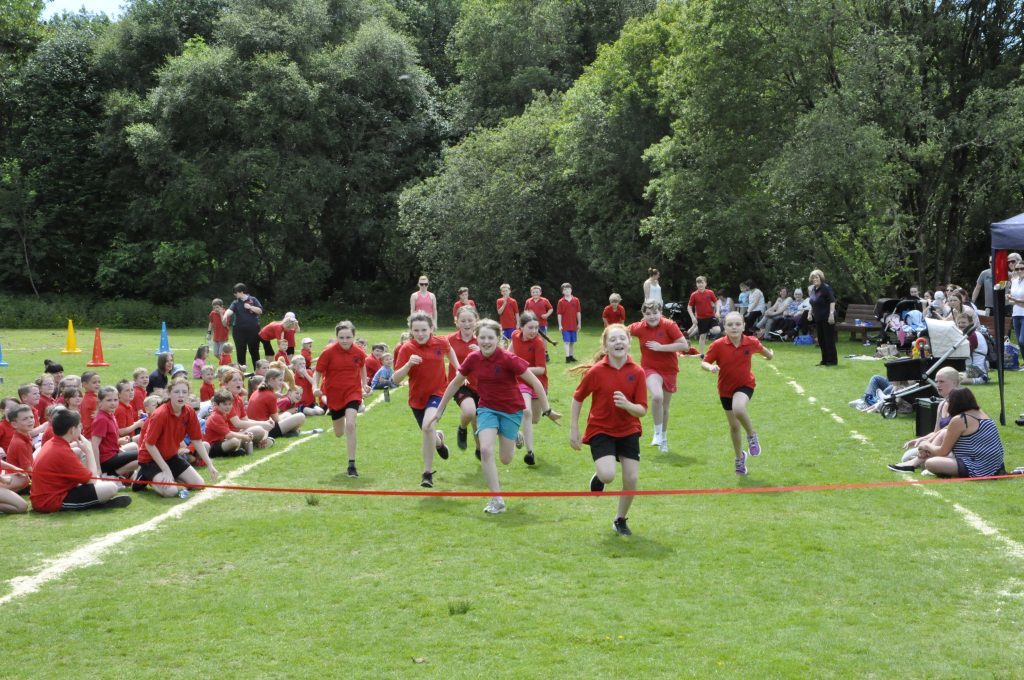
(673, 459)
(637, 546)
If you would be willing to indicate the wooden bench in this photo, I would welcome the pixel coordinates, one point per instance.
(866, 315)
(989, 322)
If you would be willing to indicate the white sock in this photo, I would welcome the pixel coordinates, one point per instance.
(657, 431)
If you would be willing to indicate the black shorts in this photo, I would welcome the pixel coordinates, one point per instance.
(602, 445)
(217, 450)
(147, 471)
(275, 432)
(727, 401)
(704, 326)
(465, 393)
(112, 465)
(340, 413)
(418, 413)
(81, 498)
(961, 468)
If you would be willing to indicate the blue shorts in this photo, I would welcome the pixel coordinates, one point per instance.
(507, 332)
(568, 336)
(507, 424)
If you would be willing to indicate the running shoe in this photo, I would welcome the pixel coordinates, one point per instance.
(496, 506)
(656, 440)
(755, 445)
(352, 472)
(741, 464)
(442, 450)
(663, 444)
(520, 440)
(901, 468)
(620, 526)
(460, 438)
(118, 502)
(529, 458)
(596, 484)
(427, 481)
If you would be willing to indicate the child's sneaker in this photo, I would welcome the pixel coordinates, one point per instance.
(741, 464)
(496, 506)
(755, 445)
(520, 440)
(656, 440)
(596, 484)
(442, 450)
(620, 526)
(461, 437)
(529, 458)
(663, 444)
(427, 481)
(352, 472)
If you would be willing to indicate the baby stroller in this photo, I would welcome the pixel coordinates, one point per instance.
(902, 320)
(949, 347)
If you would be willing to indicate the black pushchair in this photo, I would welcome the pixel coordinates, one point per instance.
(949, 347)
(891, 312)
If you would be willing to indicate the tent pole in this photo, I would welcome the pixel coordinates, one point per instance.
(999, 302)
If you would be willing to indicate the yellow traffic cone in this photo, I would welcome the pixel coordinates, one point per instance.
(70, 346)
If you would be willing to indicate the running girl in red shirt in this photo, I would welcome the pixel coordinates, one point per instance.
(660, 342)
(529, 346)
(730, 358)
(495, 373)
(462, 342)
(342, 366)
(421, 359)
(618, 403)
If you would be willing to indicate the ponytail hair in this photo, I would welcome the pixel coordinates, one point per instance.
(651, 271)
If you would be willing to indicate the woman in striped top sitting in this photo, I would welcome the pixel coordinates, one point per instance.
(971, 447)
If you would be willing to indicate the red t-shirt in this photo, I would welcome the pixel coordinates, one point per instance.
(666, 332)
(372, 366)
(262, 405)
(496, 379)
(612, 315)
(40, 408)
(507, 318)
(217, 428)
(57, 470)
(124, 415)
(220, 331)
(289, 338)
(237, 408)
(284, 403)
(532, 351)
(703, 303)
(342, 372)
(87, 411)
(6, 432)
(428, 378)
(225, 359)
(459, 304)
(308, 356)
(104, 426)
(462, 350)
(138, 397)
(733, 363)
(206, 391)
(19, 451)
(568, 309)
(272, 331)
(602, 381)
(539, 307)
(166, 431)
(307, 390)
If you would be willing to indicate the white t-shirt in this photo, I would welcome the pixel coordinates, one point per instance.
(1017, 291)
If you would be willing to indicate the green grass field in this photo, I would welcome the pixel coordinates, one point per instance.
(909, 582)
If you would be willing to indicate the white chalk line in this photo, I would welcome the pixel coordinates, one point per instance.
(92, 552)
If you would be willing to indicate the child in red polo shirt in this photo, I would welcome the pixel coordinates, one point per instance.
(614, 312)
(463, 341)
(19, 448)
(508, 312)
(730, 358)
(496, 374)
(704, 308)
(114, 458)
(463, 301)
(140, 378)
(216, 331)
(540, 306)
(529, 346)
(421, 359)
(618, 401)
(225, 354)
(263, 407)
(219, 434)
(60, 481)
(340, 377)
(91, 384)
(569, 320)
(660, 342)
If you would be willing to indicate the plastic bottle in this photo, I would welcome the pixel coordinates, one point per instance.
(183, 493)
(387, 395)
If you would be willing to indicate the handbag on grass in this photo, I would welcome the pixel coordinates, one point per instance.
(803, 340)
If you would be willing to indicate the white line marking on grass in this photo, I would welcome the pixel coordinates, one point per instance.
(796, 387)
(812, 400)
(859, 437)
(92, 552)
(838, 418)
(976, 522)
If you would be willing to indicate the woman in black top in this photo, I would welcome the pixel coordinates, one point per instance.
(159, 378)
(823, 314)
(245, 311)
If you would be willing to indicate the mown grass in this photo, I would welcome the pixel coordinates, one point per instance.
(886, 582)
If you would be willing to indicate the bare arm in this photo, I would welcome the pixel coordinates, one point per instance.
(574, 425)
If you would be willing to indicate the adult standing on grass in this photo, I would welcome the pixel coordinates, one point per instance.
(984, 285)
(159, 378)
(618, 401)
(652, 286)
(1015, 297)
(496, 373)
(823, 315)
(425, 301)
(243, 316)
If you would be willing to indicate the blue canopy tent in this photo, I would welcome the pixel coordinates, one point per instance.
(1006, 235)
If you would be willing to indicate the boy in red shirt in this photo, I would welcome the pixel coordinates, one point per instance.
(508, 313)
(730, 358)
(618, 402)
(540, 306)
(463, 301)
(219, 434)
(569, 320)
(207, 388)
(373, 361)
(140, 377)
(60, 481)
(342, 370)
(614, 312)
(225, 354)
(704, 308)
(20, 449)
(660, 343)
(216, 331)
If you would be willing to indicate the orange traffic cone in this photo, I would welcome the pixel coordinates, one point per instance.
(97, 352)
(70, 346)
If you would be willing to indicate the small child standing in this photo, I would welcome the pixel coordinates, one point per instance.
(199, 361)
(508, 313)
(614, 312)
(307, 352)
(730, 358)
(216, 331)
(704, 309)
(225, 354)
(540, 306)
(569, 320)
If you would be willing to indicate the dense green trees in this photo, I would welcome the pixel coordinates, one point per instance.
(332, 148)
